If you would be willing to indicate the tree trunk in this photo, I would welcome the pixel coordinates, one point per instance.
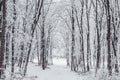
(73, 38)
(82, 38)
(98, 39)
(88, 36)
(43, 51)
(108, 36)
(35, 21)
(13, 36)
(115, 36)
(43, 48)
(2, 34)
(37, 43)
(7, 48)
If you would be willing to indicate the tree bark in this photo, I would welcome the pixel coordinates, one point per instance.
(13, 36)
(108, 37)
(73, 38)
(2, 35)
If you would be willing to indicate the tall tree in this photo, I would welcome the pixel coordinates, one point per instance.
(2, 33)
(88, 8)
(43, 41)
(80, 26)
(108, 16)
(13, 36)
(33, 27)
(73, 38)
(115, 26)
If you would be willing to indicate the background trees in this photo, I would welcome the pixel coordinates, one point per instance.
(85, 32)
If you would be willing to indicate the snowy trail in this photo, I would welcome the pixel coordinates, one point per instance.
(58, 71)
(52, 73)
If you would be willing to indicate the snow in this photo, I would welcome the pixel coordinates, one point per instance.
(59, 61)
(59, 71)
(56, 61)
(51, 73)
(54, 72)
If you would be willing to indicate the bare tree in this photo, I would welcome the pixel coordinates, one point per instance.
(35, 22)
(88, 8)
(108, 16)
(80, 26)
(115, 26)
(73, 38)
(13, 36)
(2, 34)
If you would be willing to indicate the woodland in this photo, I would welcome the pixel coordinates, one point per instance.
(86, 33)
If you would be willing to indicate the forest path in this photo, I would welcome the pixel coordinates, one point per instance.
(58, 71)
(53, 72)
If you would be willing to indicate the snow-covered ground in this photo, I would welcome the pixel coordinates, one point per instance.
(59, 71)
(54, 72)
